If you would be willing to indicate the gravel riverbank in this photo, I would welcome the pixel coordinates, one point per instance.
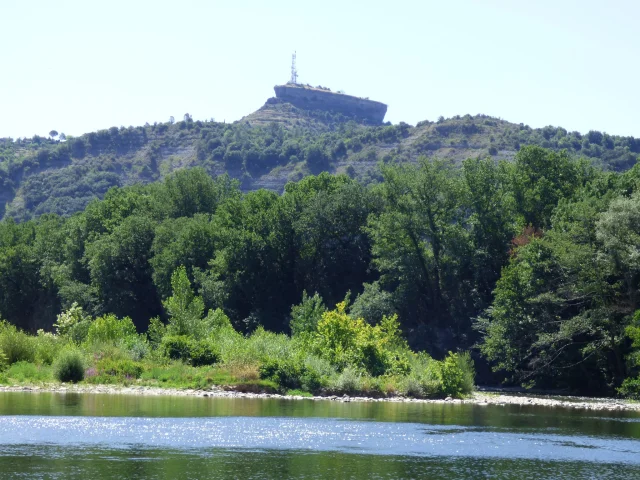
(477, 398)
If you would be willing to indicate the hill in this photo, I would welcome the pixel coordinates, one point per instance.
(276, 144)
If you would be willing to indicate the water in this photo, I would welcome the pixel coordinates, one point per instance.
(113, 436)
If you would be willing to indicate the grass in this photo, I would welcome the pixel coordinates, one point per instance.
(298, 393)
(370, 361)
(27, 373)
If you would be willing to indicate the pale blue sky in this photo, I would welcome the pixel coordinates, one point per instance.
(79, 66)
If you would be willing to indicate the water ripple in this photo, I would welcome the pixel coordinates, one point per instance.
(310, 434)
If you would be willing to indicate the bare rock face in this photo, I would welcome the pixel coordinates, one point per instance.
(310, 98)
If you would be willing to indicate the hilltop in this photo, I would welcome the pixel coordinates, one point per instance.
(278, 143)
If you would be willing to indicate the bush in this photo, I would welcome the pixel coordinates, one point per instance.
(47, 346)
(139, 348)
(156, 331)
(424, 378)
(195, 352)
(109, 370)
(27, 372)
(306, 315)
(78, 332)
(177, 347)
(290, 374)
(69, 366)
(348, 342)
(373, 304)
(630, 388)
(66, 320)
(16, 344)
(111, 329)
(4, 362)
(203, 352)
(411, 386)
(457, 374)
(347, 382)
(184, 308)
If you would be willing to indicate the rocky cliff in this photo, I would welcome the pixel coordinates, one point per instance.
(310, 98)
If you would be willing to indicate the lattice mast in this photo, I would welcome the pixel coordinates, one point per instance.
(294, 70)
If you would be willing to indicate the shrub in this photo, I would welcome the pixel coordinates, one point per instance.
(373, 304)
(111, 329)
(139, 348)
(320, 365)
(203, 352)
(69, 366)
(47, 346)
(176, 347)
(4, 362)
(16, 344)
(424, 379)
(290, 374)
(346, 341)
(263, 345)
(411, 386)
(457, 374)
(306, 315)
(78, 332)
(184, 308)
(66, 320)
(195, 352)
(156, 331)
(217, 320)
(347, 382)
(73, 324)
(108, 370)
(630, 388)
(27, 372)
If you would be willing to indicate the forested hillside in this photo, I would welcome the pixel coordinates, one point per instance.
(533, 262)
(276, 144)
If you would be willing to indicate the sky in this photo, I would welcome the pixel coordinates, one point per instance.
(79, 66)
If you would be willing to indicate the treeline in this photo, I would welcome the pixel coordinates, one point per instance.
(611, 152)
(40, 175)
(534, 261)
(84, 168)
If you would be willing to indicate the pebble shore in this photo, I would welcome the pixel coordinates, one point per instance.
(477, 398)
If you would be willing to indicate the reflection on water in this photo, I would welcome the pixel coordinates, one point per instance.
(53, 462)
(110, 436)
(314, 434)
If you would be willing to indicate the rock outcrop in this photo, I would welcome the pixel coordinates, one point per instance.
(310, 98)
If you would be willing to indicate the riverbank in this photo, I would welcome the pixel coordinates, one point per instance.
(476, 398)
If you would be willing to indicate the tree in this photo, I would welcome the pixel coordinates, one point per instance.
(187, 242)
(562, 305)
(191, 191)
(316, 158)
(120, 270)
(185, 310)
(422, 249)
(53, 133)
(540, 178)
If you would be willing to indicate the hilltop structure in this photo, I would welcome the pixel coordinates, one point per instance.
(307, 97)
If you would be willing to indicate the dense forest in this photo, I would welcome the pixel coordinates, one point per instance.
(273, 146)
(532, 263)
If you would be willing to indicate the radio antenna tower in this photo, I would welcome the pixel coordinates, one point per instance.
(294, 71)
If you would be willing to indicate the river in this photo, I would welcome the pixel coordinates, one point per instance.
(98, 436)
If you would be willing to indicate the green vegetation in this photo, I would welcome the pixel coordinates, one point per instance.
(333, 286)
(68, 366)
(352, 358)
(277, 143)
